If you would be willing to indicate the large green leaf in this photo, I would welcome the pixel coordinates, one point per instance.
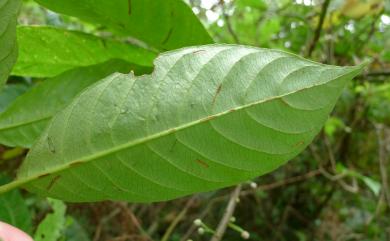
(25, 119)
(163, 24)
(48, 51)
(8, 47)
(208, 117)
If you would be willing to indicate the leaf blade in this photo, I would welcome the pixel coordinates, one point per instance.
(48, 51)
(203, 120)
(163, 24)
(8, 46)
(20, 127)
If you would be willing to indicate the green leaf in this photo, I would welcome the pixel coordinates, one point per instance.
(206, 118)
(372, 184)
(163, 24)
(8, 47)
(14, 211)
(9, 94)
(52, 227)
(25, 119)
(48, 51)
(332, 125)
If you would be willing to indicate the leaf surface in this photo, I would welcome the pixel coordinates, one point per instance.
(25, 119)
(163, 24)
(48, 51)
(8, 47)
(206, 118)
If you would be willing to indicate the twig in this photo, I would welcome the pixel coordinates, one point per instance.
(371, 32)
(203, 214)
(228, 23)
(134, 220)
(378, 73)
(354, 188)
(179, 217)
(103, 221)
(317, 33)
(227, 215)
(287, 181)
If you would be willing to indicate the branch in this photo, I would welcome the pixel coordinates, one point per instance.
(201, 216)
(379, 73)
(134, 220)
(375, 76)
(227, 215)
(317, 33)
(228, 23)
(178, 218)
(285, 182)
(360, 46)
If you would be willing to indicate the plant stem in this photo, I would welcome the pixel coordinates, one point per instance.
(317, 33)
(179, 217)
(227, 215)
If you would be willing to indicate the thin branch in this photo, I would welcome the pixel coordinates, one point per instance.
(318, 30)
(360, 46)
(201, 216)
(228, 23)
(339, 178)
(379, 73)
(285, 182)
(103, 222)
(134, 220)
(178, 218)
(227, 215)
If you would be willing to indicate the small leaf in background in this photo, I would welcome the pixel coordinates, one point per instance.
(372, 184)
(360, 8)
(9, 10)
(53, 225)
(206, 118)
(48, 51)
(13, 209)
(332, 125)
(24, 120)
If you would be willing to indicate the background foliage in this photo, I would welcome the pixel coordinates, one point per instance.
(338, 189)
